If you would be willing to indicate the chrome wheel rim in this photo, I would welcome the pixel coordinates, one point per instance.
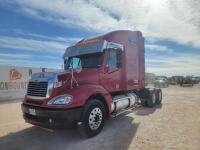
(95, 118)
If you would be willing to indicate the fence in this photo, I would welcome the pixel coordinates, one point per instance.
(14, 80)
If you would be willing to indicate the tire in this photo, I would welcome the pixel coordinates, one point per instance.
(93, 118)
(158, 97)
(152, 99)
(143, 103)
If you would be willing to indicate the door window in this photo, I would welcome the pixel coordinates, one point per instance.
(114, 60)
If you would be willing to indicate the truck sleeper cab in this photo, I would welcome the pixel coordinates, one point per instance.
(103, 77)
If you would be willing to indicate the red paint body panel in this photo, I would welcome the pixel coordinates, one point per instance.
(80, 95)
(133, 69)
(132, 73)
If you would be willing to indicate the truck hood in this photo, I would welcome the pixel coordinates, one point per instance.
(46, 76)
(85, 76)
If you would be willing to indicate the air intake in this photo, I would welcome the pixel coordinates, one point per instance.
(37, 89)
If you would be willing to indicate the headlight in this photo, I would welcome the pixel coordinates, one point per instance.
(61, 100)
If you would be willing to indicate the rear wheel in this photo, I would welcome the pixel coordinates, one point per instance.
(143, 102)
(93, 118)
(152, 99)
(158, 97)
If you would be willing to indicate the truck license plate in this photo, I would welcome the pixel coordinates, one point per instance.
(32, 111)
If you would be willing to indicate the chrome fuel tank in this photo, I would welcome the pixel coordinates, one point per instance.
(123, 101)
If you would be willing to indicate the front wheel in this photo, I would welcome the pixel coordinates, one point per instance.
(93, 118)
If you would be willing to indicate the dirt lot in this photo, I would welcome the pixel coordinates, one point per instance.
(175, 125)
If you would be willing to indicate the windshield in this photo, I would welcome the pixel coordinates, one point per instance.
(87, 61)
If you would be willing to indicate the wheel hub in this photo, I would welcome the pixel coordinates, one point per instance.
(95, 118)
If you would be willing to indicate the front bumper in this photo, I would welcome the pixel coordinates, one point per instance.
(51, 118)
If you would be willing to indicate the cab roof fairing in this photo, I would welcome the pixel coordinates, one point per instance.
(90, 47)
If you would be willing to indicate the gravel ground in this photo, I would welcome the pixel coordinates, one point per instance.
(174, 125)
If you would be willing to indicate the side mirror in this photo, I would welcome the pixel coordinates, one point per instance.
(76, 64)
(79, 67)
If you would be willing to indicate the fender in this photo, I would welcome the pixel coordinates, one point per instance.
(82, 93)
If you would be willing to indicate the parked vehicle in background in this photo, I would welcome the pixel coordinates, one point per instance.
(195, 80)
(103, 77)
(174, 80)
(149, 78)
(198, 79)
(161, 81)
(187, 81)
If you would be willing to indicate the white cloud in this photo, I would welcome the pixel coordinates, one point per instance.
(27, 56)
(175, 64)
(31, 44)
(175, 20)
(14, 56)
(69, 13)
(30, 63)
(173, 70)
(67, 40)
(159, 48)
(30, 59)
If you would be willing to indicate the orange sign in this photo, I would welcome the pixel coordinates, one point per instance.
(14, 74)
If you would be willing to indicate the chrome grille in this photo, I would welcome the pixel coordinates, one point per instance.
(38, 89)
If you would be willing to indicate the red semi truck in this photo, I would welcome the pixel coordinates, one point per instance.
(103, 77)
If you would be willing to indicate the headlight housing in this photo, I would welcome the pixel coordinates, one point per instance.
(61, 100)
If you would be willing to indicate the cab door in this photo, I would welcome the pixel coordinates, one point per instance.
(110, 78)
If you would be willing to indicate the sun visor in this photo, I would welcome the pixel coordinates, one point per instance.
(86, 48)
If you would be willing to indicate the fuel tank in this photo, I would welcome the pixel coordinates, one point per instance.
(123, 101)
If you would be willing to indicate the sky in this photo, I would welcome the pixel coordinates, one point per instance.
(36, 33)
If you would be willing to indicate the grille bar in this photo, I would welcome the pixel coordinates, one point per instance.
(38, 89)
